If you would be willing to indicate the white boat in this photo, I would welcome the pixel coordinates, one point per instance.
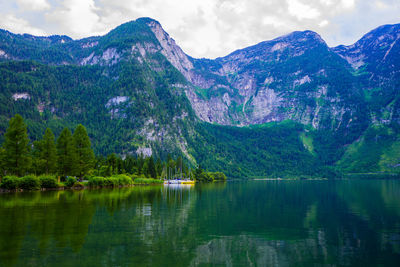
(177, 181)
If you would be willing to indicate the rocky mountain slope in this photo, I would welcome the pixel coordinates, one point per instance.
(138, 92)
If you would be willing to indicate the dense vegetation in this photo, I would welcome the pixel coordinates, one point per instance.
(70, 159)
(132, 104)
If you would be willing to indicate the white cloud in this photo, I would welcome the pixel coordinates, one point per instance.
(35, 5)
(323, 23)
(381, 5)
(204, 28)
(18, 25)
(301, 10)
(77, 18)
(348, 4)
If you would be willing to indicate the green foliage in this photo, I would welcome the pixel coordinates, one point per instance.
(9, 182)
(84, 152)
(47, 153)
(66, 153)
(147, 181)
(122, 179)
(266, 150)
(78, 185)
(218, 176)
(375, 151)
(16, 145)
(48, 181)
(29, 182)
(113, 181)
(70, 181)
(96, 181)
(151, 168)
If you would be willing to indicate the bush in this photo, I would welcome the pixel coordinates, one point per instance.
(147, 181)
(47, 181)
(10, 182)
(116, 180)
(204, 177)
(96, 181)
(70, 181)
(110, 182)
(29, 182)
(78, 185)
(122, 179)
(218, 176)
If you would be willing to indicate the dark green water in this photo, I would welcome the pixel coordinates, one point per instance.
(256, 223)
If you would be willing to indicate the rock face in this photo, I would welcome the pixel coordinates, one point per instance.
(293, 77)
(289, 77)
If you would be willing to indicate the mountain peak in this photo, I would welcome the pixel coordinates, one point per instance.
(301, 36)
(147, 20)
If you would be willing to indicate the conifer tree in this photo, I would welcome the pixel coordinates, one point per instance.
(16, 144)
(48, 152)
(159, 166)
(66, 153)
(84, 152)
(152, 168)
(2, 162)
(112, 163)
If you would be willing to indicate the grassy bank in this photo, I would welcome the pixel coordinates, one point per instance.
(49, 182)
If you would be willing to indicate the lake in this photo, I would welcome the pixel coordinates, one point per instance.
(253, 223)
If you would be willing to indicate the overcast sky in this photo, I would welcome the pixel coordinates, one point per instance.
(204, 28)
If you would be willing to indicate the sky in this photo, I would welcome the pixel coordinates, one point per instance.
(204, 28)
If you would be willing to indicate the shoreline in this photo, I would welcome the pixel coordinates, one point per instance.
(74, 188)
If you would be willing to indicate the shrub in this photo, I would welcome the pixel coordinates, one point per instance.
(122, 179)
(47, 181)
(110, 182)
(29, 182)
(116, 180)
(218, 176)
(78, 185)
(96, 181)
(204, 177)
(70, 181)
(147, 181)
(10, 182)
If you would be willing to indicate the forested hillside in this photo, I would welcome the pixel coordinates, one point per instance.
(302, 108)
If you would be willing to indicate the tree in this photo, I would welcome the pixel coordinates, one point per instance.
(48, 152)
(112, 163)
(197, 172)
(84, 152)
(152, 168)
(2, 162)
(66, 153)
(16, 144)
(159, 166)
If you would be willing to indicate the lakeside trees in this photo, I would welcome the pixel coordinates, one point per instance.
(84, 153)
(17, 159)
(72, 155)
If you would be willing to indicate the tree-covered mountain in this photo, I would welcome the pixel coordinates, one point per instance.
(287, 106)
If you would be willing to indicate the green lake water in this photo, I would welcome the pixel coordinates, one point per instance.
(254, 223)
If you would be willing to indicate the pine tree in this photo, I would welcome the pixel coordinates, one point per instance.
(159, 167)
(48, 152)
(16, 144)
(2, 162)
(112, 163)
(152, 168)
(84, 153)
(66, 153)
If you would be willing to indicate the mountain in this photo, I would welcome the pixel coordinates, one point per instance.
(292, 105)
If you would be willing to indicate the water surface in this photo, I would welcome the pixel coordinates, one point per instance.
(255, 223)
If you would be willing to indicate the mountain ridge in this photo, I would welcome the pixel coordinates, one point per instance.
(139, 81)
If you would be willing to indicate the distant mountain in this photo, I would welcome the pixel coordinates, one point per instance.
(138, 92)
